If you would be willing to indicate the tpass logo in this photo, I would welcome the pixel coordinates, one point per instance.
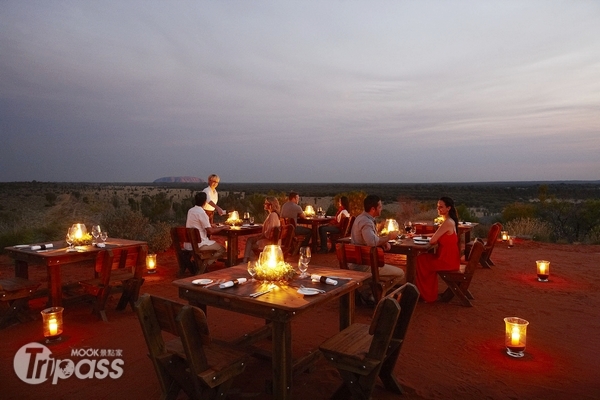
(35, 364)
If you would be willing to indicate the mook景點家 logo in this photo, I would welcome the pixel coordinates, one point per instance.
(35, 364)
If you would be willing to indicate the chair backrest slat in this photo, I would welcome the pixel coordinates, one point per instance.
(476, 252)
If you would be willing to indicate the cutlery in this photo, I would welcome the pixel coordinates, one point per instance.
(310, 288)
(256, 294)
(217, 282)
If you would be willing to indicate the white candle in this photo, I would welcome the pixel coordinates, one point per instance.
(53, 326)
(515, 336)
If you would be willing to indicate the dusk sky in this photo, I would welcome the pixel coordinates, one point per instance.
(300, 91)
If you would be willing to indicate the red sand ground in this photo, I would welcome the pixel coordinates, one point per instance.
(450, 351)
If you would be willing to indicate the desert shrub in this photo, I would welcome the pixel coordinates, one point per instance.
(529, 227)
(594, 236)
(518, 210)
(125, 223)
(158, 237)
(464, 214)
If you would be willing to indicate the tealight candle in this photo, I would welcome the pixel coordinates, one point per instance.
(515, 336)
(504, 236)
(543, 270)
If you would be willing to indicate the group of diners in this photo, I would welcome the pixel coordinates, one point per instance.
(364, 233)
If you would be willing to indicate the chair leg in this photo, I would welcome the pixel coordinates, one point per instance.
(131, 292)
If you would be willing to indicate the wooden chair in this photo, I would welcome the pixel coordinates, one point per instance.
(458, 281)
(490, 242)
(372, 256)
(345, 229)
(424, 229)
(274, 240)
(196, 260)
(14, 298)
(288, 233)
(297, 240)
(188, 362)
(120, 265)
(363, 352)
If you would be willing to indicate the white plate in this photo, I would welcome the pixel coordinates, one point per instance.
(421, 241)
(308, 291)
(202, 282)
(21, 246)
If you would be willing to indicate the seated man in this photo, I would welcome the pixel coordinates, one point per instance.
(291, 209)
(364, 233)
(197, 218)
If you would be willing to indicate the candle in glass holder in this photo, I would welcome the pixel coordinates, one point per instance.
(510, 241)
(543, 270)
(151, 263)
(309, 211)
(515, 336)
(391, 225)
(52, 320)
(504, 236)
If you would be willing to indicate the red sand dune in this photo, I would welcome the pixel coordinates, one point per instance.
(450, 351)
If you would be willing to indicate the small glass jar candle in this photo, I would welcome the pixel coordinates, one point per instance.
(515, 336)
(543, 270)
(504, 236)
(52, 320)
(151, 263)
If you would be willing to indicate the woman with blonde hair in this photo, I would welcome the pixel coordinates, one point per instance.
(212, 197)
(267, 236)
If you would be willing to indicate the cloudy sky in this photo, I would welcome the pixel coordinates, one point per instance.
(299, 91)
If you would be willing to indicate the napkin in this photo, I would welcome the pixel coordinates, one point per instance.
(323, 279)
(42, 246)
(237, 281)
(100, 245)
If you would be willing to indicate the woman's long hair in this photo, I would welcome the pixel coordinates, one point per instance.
(345, 203)
(452, 213)
(274, 205)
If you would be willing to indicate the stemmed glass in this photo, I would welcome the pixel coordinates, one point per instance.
(408, 227)
(303, 261)
(69, 239)
(104, 236)
(96, 233)
(252, 269)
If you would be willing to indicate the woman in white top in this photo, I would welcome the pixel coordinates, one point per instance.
(266, 237)
(212, 197)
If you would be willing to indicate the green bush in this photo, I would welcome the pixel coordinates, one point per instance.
(159, 237)
(529, 228)
(125, 224)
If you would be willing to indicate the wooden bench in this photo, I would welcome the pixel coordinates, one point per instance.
(189, 362)
(14, 297)
(362, 352)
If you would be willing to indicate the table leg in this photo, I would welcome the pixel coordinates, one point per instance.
(232, 251)
(315, 237)
(21, 269)
(411, 266)
(282, 360)
(347, 306)
(54, 286)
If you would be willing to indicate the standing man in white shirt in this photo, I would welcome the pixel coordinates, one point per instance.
(197, 218)
(212, 197)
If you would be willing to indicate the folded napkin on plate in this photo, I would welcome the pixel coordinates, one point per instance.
(323, 279)
(100, 245)
(42, 246)
(237, 281)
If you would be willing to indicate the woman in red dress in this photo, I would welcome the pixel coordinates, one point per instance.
(447, 257)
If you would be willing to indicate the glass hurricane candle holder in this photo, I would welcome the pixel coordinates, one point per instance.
(52, 320)
(151, 263)
(515, 336)
(79, 231)
(391, 225)
(543, 270)
(504, 236)
(309, 211)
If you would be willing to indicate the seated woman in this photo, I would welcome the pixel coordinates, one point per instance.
(334, 226)
(266, 237)
(447, 257)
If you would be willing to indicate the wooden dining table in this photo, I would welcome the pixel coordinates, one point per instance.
(232, 234)
(315, 223)
(55, 257)
(411, 250)
(279, 307)
(464, 231)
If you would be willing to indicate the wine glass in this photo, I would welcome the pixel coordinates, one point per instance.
(304, 260)
(251, 220)
(252, 269)
(408, 227)
(69, 239)
(104, 236)
(96, 233)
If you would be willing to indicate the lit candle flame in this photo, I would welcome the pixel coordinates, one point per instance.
(515, 336)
